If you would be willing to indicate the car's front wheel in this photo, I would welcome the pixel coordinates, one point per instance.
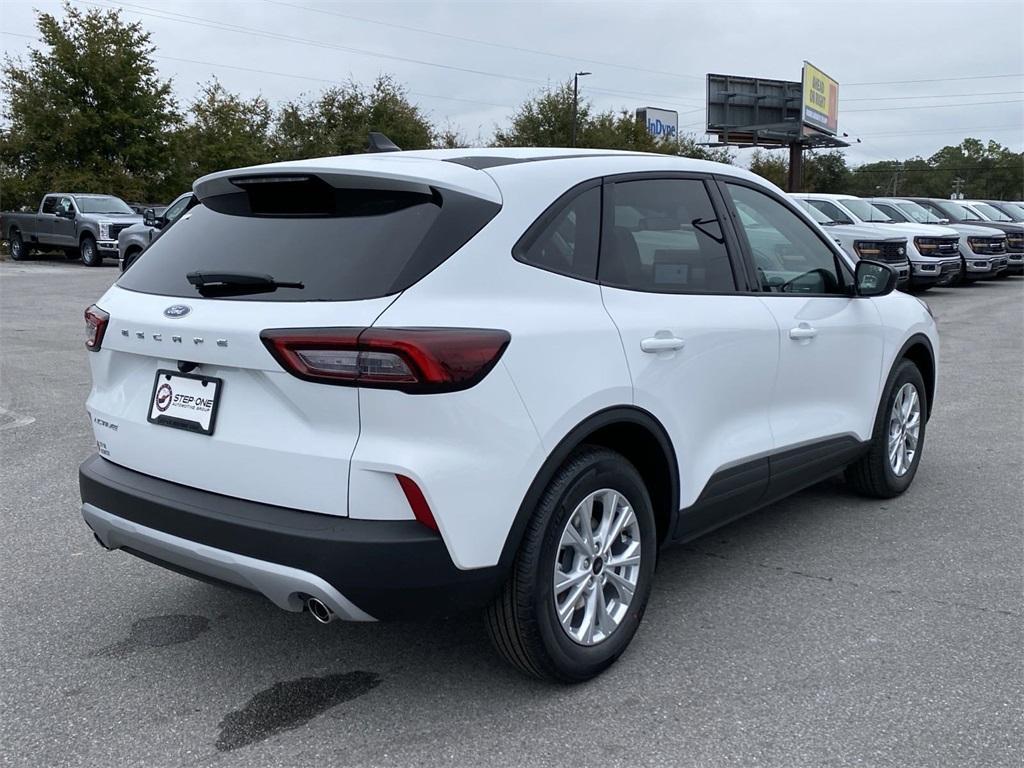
(890, 464)
(582, 577)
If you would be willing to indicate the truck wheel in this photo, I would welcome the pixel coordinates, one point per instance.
(19, 250)
(580, 582)
(90, 253)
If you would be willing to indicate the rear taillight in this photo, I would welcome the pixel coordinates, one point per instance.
(95, 326)
(417, 502)
(413, 360)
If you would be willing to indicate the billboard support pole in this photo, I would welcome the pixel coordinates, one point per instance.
(795, 181)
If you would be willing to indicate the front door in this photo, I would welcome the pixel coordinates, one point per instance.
(830, 344)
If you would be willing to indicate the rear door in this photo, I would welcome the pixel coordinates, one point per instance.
(702, 352)
(267, 435)
(831, 344)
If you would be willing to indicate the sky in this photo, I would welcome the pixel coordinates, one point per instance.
(914, 76)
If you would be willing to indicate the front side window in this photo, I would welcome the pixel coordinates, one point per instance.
(833, 211)
(567, 240)
(865, 211)
(177, 208)
(892, 212)
(65, 205)
(665, 238)
(788, 255)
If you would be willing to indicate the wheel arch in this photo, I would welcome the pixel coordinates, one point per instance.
(918, 350)
(86, 233)
(629, 430)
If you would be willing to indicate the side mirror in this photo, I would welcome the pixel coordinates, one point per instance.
(873, 278)
(149, 217)
(68, 214)
(943, 221)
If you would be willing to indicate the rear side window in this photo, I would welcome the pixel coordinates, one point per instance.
(565, 239)
(355, 244)
(665, 238)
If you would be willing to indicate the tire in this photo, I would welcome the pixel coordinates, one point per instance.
(19, 251)
(91, 256)
(523, 623)
(130, 258)
(875, 474)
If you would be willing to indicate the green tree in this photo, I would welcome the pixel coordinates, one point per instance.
(770, 165)
(340, 119)
(545, 120)
(222, 130)
(826, 172)
(87, 111)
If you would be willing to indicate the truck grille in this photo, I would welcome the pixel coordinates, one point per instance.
(937, 246)
(895, 253)
(987, 245)
(1015, 242)
(115, 230)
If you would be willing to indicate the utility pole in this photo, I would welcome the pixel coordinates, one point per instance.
(576, 102)
(958, 184)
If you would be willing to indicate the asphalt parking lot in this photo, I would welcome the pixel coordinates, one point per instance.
(824, 630)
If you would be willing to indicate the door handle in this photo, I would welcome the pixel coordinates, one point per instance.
(662, 344)
(802, 332)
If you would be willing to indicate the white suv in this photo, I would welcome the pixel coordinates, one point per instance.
(414, 383)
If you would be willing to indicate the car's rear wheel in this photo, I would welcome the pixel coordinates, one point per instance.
(19, 250)
(582, 577)
(889, 467)
(90, 253)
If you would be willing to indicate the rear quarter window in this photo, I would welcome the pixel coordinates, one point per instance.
(365, 244)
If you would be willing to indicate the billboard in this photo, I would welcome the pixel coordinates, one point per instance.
(660, 123)
(748, 108)
(820, 100)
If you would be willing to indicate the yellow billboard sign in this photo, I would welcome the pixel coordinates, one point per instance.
(821, 100)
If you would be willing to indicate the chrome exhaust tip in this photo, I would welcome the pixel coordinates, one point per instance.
(319, 611)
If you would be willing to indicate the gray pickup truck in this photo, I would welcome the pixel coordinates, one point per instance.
(81, 224)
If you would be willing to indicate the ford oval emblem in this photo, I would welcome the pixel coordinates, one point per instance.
(177, 310)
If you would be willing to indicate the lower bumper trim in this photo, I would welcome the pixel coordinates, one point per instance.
(284, 586)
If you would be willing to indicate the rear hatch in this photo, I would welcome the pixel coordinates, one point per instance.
(184, 388)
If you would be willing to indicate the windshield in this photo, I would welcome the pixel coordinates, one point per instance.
(918, 213)
(958, 212)
(993, 213)
(102, 204)
(865, 211)
(1015, 210)
(815, 214)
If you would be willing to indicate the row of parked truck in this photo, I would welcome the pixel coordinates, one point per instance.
(929, 241)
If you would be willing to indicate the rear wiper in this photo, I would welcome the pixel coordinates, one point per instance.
(237, 282)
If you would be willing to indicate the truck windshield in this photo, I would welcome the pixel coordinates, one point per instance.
(992, 212)
(865, 211)
(102, 204)
(918, 213)
(958, 212)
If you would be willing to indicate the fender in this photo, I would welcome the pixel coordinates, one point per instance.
(608, 417)
(930, 376)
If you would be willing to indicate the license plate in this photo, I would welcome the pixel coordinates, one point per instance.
(185, 401)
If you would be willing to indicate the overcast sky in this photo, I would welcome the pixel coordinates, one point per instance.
(470, 64)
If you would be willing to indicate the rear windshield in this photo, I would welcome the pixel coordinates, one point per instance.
(370, 243)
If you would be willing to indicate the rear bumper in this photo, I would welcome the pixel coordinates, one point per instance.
(362, 569)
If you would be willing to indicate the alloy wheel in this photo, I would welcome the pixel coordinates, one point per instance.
(597, 566)
(904, 429)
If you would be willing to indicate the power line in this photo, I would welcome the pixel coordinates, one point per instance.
(936, 79)
(477, 41)
(933, 96)
(983, 128)
(226, 26)
(939, 106)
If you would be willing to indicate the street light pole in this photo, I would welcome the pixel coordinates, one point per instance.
(575, 102)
